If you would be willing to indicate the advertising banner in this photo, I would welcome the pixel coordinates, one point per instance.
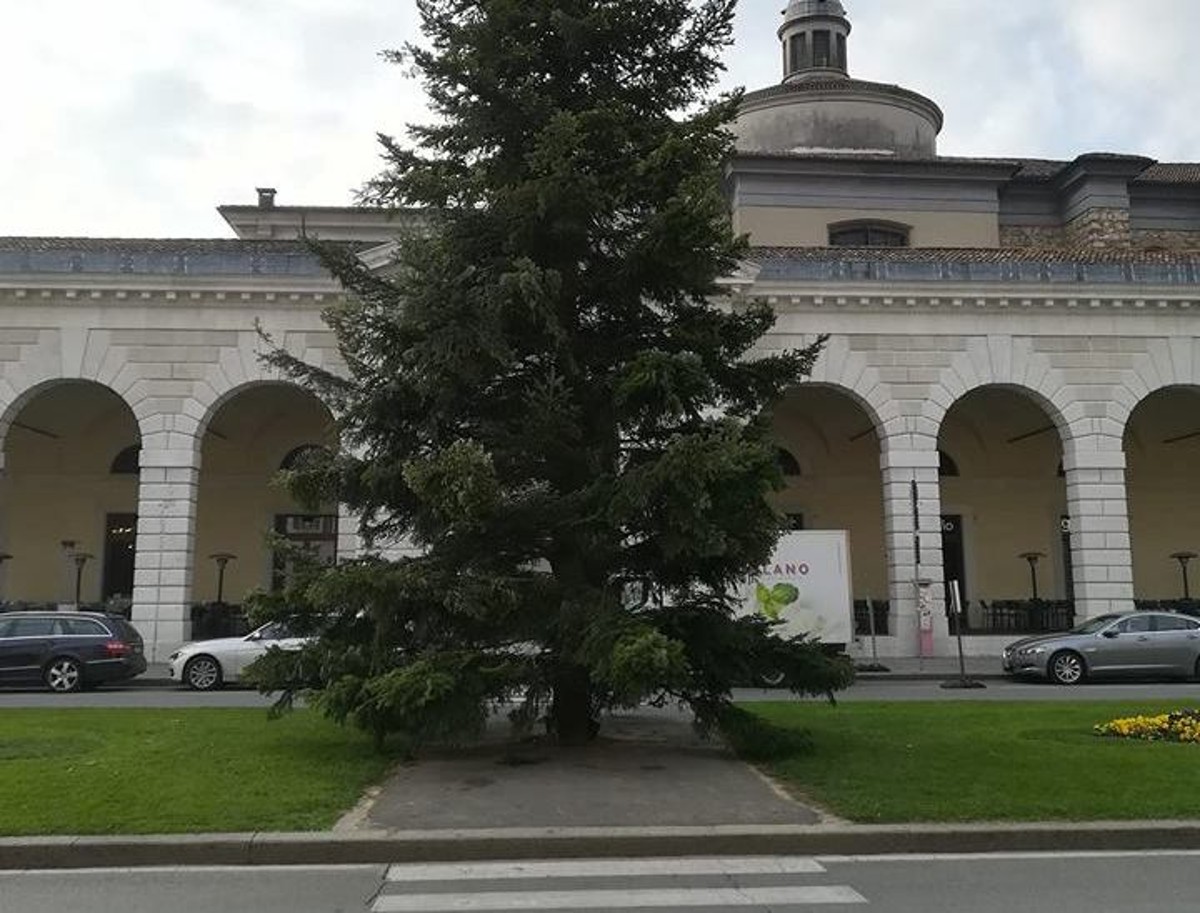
(806, 585)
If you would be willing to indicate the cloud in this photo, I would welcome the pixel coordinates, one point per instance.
(139, 117)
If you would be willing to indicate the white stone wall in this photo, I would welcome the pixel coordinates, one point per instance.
(174, 353)
(177, 350)
(908, 354)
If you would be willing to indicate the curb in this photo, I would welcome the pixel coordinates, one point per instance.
(388, 847)
(926, 676)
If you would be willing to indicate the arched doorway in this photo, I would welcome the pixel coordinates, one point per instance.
(68, 498)
(255, 433)
(1162, 454)
(1005, 525)
(829, 454)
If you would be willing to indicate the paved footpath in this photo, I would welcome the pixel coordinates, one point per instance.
(648, 767)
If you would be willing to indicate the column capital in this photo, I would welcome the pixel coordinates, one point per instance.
(894, 458)
(1093, 459)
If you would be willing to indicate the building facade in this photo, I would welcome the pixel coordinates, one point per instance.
(1009, 399)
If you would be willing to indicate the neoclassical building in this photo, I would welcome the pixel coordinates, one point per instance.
(1010, 397)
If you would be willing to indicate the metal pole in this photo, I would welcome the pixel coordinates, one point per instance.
(956, 604)
(871, 628)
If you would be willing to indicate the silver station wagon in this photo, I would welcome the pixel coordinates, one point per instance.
(1129, 644)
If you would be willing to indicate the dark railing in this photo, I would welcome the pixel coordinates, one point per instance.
(1182, 606)
(862, 617)
(1016, 616)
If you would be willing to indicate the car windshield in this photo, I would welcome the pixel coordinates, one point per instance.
(1094, 625)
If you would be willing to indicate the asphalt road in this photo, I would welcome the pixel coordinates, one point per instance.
(1084, 883)
(171, 696)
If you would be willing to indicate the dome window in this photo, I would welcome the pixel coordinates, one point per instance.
(868, 234)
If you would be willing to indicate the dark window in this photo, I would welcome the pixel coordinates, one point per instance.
(127, 462)
(33, 627)
(841, 53)
(800, 59)
(81, 627)
(788, 464)
(947, 468)
(298, 457)
(867, 235)
(821, 46)
(1135, 624)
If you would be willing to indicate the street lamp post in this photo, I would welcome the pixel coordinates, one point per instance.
(80, 559)
(222, 559)
(4, 556)
(1033, 558)
(1183, 558)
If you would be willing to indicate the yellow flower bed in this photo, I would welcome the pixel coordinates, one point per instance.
(1181, 726)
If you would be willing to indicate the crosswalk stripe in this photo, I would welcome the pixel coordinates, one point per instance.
(723, 898)
(605, 868)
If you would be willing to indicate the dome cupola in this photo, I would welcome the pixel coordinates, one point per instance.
(819, 109)
(814, 35)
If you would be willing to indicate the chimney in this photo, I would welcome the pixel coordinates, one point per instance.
(266, 197)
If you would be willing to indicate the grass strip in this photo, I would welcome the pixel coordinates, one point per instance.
(963, 761)
(143, 771)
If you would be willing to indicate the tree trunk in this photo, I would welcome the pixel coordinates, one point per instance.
(571, 710)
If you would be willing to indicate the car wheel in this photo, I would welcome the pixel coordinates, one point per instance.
(63, 675)
(1066, 668)
(202, 673)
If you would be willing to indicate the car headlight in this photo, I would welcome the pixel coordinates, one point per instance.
(1033, 651)
(174, 656)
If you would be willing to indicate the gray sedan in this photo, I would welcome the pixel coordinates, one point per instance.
(1133, 643)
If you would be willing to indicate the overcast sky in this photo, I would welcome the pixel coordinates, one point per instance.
(138, 117)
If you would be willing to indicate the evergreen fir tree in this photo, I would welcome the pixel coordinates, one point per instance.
(551, 394)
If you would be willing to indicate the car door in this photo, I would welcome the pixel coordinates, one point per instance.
(1126, 646)
(6, 649)
(28, 645)
(1177, 643)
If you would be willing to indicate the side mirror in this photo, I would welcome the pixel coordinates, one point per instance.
(1112, 634)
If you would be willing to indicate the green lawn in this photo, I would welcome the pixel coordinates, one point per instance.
(164, 771)
(892, 762)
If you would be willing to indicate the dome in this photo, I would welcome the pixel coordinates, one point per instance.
(799, 9)
(819, 108)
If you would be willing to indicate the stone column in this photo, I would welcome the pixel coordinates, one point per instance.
(1101, 557)
(166, 541)
(914, 575)
(349, 543)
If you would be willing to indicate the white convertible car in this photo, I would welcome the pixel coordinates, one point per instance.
(206, 665)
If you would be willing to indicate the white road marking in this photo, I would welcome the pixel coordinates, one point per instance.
(198, 869)
(605, 868)
(724, 898)
(1024, 856)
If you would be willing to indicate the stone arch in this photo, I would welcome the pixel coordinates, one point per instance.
(1006, 363)
(848, 372)
(1167, 363)
(59, 500)
(242, 438)
(1161, 451)
(22, 396)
